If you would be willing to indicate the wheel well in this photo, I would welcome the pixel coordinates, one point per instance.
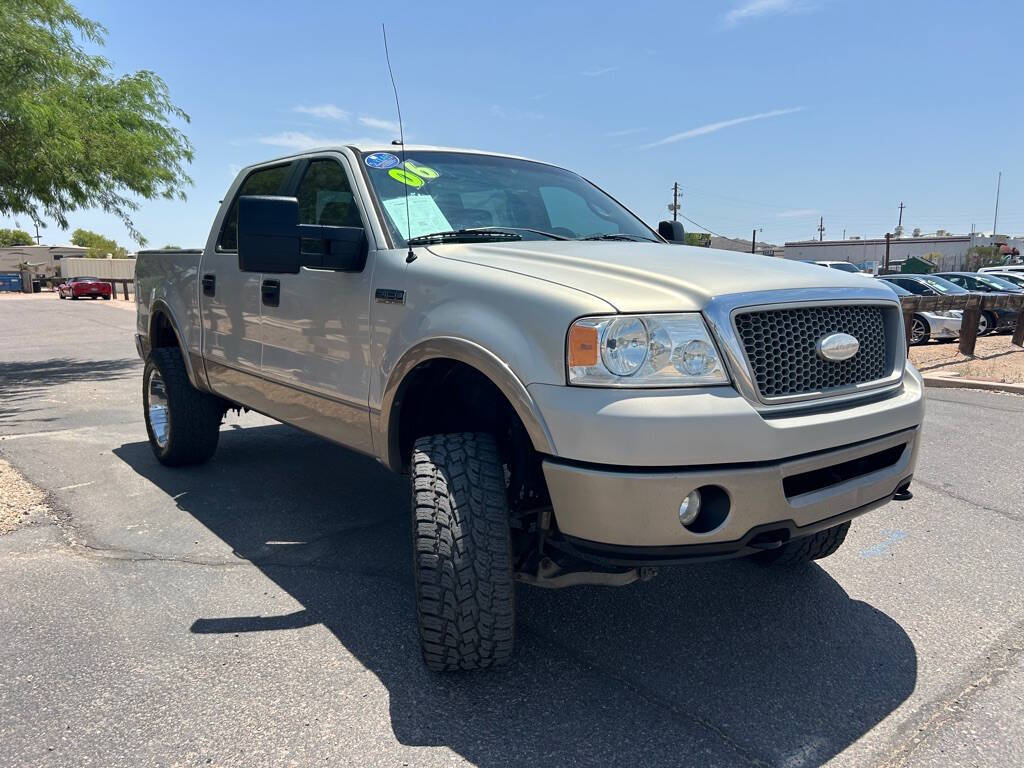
(161, 332)
(441, 396)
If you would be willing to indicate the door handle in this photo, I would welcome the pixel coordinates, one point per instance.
(271, 293)
(209, 285)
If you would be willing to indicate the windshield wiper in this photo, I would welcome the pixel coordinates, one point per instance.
(464, 236)
(552, 235)
(618, 236)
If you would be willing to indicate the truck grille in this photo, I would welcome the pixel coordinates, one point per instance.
(781, 348)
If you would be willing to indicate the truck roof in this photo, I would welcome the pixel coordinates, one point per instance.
(397, 149)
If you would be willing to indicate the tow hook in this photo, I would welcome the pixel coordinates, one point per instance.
(903, 493)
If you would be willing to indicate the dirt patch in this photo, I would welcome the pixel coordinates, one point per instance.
(995, 359)
(19, 499)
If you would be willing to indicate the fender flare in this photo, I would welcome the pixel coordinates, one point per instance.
(158, 307)
(475, 356)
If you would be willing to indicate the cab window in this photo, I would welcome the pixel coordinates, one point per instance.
(325, 196)
(265, 181)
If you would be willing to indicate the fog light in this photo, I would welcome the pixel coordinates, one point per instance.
(690, 508)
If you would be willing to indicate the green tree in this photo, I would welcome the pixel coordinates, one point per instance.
(71, 134)
(98, 245)
(10, 237)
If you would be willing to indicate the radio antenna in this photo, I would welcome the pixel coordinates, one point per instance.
(410, 256)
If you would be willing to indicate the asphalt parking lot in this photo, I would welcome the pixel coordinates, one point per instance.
(258, 610)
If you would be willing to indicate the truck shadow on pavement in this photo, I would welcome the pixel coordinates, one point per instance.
(24, 381)
(715, 664)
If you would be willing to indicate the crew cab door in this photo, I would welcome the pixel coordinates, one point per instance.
(316, 324)
(230, 298)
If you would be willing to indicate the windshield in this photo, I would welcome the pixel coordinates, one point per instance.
(941, 285)
(1017, 280)
(453, 191)
(844, 267)
(999, 283)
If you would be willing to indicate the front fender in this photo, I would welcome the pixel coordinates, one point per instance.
(475, 356)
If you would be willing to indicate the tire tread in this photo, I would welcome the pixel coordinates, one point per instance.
(194, 416)
(465, 598)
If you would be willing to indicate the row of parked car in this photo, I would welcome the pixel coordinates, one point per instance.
(945, 325)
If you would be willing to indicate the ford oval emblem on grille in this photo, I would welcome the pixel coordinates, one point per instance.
(838, 346)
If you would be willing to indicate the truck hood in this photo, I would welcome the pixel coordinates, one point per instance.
(652, 277)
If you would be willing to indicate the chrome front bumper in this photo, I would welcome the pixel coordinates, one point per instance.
(605, 508)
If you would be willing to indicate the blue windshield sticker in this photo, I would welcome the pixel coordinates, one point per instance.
(381, 160)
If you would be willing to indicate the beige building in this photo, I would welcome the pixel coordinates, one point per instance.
(44, 258)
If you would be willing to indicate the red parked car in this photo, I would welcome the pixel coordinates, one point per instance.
(84, 288)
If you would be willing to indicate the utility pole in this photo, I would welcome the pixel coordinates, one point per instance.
(39, 237)
(995, 220)
(899, 226)
(821, 229)
(675, 202)
(887, 236)
(753, 239)
(844, 233)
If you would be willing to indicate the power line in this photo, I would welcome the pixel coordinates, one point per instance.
(704, 228)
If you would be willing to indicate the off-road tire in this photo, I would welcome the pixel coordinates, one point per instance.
(193, 417)
(806, 548)
(465, 592)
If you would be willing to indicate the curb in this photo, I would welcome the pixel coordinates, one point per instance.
(958, 383)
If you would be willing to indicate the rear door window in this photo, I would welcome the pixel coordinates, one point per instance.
(265, 181)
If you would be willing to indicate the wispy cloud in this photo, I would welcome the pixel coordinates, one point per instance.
(298, 141)
(624, 132)
(379, 124)
(326, 111)
(597, 71)
(714, 127)
(797, 213)
(755, 8)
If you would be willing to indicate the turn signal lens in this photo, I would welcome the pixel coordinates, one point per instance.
(582, 346)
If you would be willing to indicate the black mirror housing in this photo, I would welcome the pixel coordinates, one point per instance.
(271, 240)
(672, 231)
(268, 234)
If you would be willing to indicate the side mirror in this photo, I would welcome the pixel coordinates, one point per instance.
(672, 231)
(268, 234)
(270, 239)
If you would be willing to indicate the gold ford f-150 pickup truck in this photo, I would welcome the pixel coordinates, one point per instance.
(576, 399)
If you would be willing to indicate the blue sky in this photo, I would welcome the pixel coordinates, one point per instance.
(769, 113)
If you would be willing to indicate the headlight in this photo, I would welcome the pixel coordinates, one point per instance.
(673, 350)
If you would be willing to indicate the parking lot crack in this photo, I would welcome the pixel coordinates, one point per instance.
(1017, 518)
(950, 709)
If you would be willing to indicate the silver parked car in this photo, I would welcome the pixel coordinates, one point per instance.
(943, 325)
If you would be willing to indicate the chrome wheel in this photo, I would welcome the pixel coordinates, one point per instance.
(157, 397)
(916, 331)
(984, 324)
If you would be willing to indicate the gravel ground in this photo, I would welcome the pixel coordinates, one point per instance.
(995, 359)
(19, 499)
